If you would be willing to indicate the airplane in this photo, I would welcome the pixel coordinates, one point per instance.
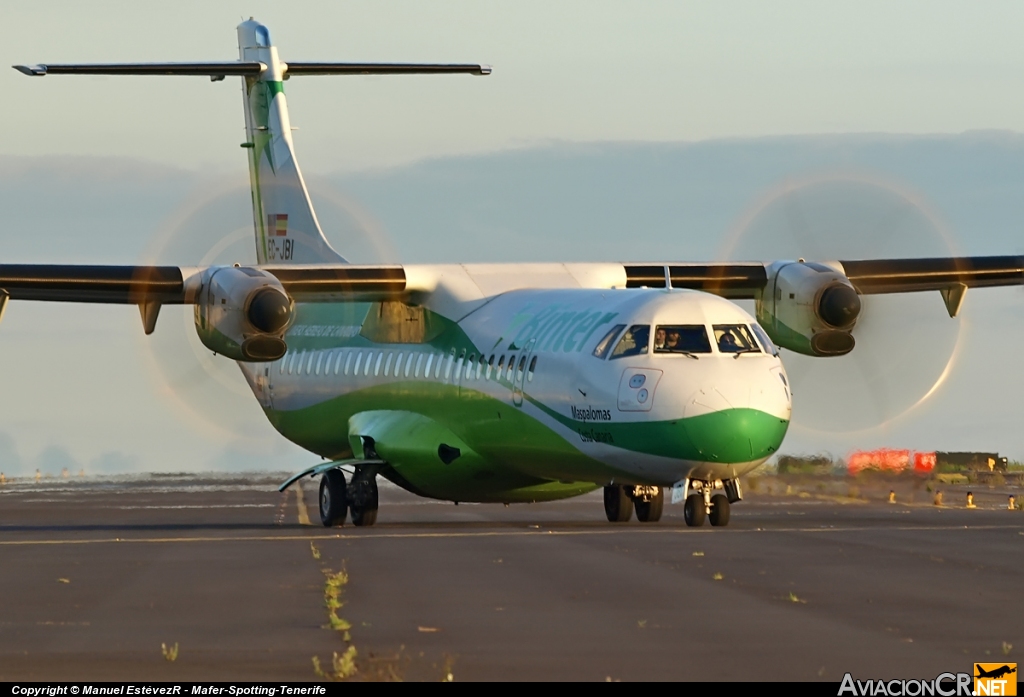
(995, 672)
(501, 383)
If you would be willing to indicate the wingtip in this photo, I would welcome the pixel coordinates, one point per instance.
(485, 70)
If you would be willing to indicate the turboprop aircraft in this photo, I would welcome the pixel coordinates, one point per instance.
(495, 382)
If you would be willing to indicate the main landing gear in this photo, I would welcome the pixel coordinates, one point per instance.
(703, 503)
(359, 496)
(621, 500)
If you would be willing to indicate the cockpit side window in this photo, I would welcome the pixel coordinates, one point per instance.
(735, 338)
(606, 343)
(681, 338)
(765, 340)
(634, 342)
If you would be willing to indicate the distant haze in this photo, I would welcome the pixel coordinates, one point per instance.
(81, 390)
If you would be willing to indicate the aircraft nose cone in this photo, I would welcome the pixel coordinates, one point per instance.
(738, 422)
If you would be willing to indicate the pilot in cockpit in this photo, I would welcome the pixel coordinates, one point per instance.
(727, 343)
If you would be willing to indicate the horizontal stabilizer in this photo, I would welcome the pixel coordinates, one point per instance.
(291, 69)
(213, 69)
(250, 68)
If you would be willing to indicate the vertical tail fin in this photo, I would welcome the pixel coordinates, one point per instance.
(287, 230)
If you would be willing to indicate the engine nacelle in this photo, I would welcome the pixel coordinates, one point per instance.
(243, 313)
(810, 308)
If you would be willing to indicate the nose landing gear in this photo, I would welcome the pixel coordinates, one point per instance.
(702, 504)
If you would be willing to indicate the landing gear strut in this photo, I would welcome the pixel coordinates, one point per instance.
(648, 502)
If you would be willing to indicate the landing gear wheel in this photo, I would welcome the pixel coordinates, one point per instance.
(362, 497)
(694, 511)
(650, 511)
(719, 510)
(333, 499)
(617, 504)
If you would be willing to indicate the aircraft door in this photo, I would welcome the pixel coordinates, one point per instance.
(520, 373)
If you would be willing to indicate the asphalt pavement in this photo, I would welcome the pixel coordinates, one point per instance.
(103, 577)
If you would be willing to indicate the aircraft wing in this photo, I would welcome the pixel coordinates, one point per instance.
(174, 285)
(178, 285)
(868, 276)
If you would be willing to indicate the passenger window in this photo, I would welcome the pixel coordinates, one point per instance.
(448, 365)
(387, 365)
(376, 366)
(359, 360)
(511, 367)
(284, 362)
(337, 363)
(490, 366)
(439, 365)
(319, 360)
(458, 366)
(501, 367)
(735, 338)
(520, 370)
(681, 338)
(309, 363)
(605, 344)
(765, 340)
(408, 364)
(470, 365)
(480, 366)
(426, 373)
(533, 366)
(634, 342)
(348, 361)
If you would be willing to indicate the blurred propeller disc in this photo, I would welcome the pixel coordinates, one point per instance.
(906, 343)
(215, 226)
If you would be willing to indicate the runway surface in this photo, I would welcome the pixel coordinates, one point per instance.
(804, 585)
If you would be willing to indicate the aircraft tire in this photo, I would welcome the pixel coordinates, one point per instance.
(694, 511)
(650, 511)
(719, 510)
(363, 500)
(617, 505)
(333, 499)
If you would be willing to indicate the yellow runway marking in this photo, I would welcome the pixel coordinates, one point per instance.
(300, 500)
(495, 533)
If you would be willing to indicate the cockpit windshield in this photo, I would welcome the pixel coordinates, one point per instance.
(766, 342)
(681, 338)
(735, 338)
(605, 344)
(634, 342)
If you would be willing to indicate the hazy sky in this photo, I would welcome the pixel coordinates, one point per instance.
(567, 70)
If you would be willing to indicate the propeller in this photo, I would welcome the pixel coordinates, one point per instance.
(214, 226)
(906, 344)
